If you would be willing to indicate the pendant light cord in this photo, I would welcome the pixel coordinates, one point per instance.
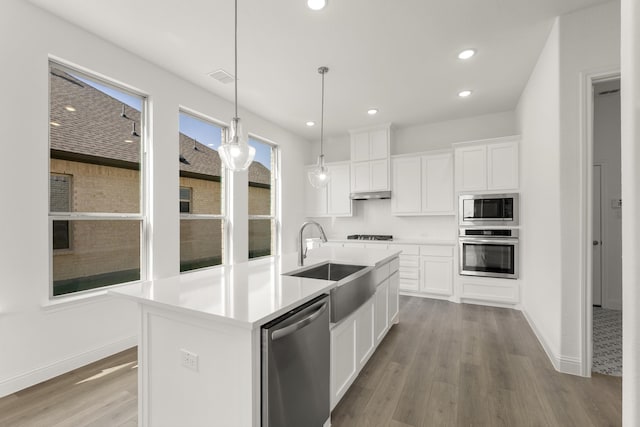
(236, 57)
(322, 117)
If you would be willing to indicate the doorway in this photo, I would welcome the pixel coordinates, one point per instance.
(606, 242)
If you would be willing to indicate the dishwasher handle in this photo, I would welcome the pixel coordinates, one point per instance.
(288, 330)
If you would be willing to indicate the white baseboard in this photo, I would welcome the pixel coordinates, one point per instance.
(613, 305)
(564, 364)
(38, 375)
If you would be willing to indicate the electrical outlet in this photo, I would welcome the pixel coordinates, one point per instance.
(189, 360)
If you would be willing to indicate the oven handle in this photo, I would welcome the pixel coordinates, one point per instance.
(472, 240)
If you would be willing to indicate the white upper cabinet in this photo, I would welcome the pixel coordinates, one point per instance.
(471, 168)
(422, 184)
(502, 166)
(406, 185)
(332, 200)
(370, 159)
(437, 184)
(487, 165)
(338, 201)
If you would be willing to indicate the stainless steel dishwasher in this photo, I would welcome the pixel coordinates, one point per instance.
(295, 367)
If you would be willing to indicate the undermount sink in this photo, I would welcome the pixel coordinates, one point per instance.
(328, 271)
(349, 295)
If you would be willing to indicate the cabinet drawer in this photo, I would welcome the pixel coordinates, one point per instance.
(412, 285)
(394, 266)
(436, 250)
(409, 261)
(406, 249)
(410, 273)
(381, 273)
(380, 246)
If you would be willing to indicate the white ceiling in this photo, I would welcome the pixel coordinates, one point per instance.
(399, 56)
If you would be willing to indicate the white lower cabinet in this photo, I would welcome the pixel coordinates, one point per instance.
(394, 295)
(356, 337)
(381, 322)
(436, 270)
(437, 275)
(365, 336)
(344, 367)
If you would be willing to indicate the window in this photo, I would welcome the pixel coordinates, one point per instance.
(262, 200)
(185, 200)
(202, 218)
(60, 201)
(95, 186)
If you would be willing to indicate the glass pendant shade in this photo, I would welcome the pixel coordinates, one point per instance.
(236, 153)
(319, 176)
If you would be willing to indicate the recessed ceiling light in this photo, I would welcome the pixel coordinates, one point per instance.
(311, 124)
(464, 93)
(128, 140)
(466, 54)
(69, 108)
(316, 4)
(372, 111)
(56, 124)
(210, 145)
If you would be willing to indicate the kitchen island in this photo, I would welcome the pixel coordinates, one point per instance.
(199, 345)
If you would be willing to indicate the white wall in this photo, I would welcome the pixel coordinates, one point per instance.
(553, 159)
(538, 117)
(606, 152)
(630, 100)
(589, 41)
(39, 340)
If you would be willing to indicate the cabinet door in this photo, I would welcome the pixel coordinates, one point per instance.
(315, 198)
(437, 184)
(365, 338)
(406, 188)
(381, 322)
(378, 144)
(338, 201)
(343, 358)
(394, 295)
(471, 168)
(360, 177)
(437, 275)
(379, 175)
(360, 146)
(502, 166)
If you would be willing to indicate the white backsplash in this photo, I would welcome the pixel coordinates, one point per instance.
(374, 217)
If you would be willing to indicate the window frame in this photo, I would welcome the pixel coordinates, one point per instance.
(223, 216)
(275, 198)
(144, 177)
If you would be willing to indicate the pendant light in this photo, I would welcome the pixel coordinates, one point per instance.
(236, 153)
(319, 176)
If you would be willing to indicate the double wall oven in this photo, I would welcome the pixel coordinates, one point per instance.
(489, 237)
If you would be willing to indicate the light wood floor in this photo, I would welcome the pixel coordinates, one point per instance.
(450, 364)
(444, 365)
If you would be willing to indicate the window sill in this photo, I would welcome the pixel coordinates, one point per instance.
(54, 304)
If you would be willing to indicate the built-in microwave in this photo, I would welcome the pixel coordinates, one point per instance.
(488, 209)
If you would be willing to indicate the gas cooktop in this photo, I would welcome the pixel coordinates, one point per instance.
(370, 237)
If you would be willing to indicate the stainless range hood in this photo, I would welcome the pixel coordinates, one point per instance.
(371, 195)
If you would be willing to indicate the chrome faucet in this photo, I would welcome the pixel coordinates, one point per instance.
(302, 250)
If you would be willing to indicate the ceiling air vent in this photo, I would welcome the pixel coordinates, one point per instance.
(221, 76)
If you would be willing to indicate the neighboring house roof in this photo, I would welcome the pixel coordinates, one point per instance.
(96, 129)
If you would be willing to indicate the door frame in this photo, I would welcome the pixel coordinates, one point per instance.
(602, 232)
(587, 80)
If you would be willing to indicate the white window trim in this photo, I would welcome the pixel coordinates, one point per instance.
(275, 202)
(57, 300)
(224, 205)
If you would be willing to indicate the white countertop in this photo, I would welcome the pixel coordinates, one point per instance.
(248, 294)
